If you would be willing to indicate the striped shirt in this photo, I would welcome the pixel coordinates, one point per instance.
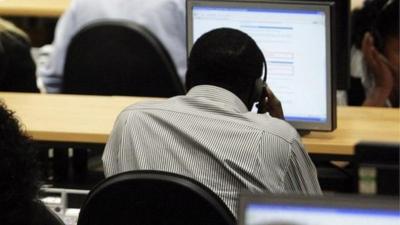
(209, 135)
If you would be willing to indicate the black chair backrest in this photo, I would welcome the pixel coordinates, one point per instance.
(378, 168)
(119, 58)
(153, 198)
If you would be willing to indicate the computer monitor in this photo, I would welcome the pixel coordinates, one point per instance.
(268, 209)
(341, 37)
(295, 38)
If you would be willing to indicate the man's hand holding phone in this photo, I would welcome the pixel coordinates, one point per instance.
(270, 103)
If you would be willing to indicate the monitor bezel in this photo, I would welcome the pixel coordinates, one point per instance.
(326, 6)
(340, 201)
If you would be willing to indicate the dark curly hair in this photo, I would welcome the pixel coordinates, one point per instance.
(376, 16)
(19, 170)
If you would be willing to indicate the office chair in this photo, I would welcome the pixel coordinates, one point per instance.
(377, 166)
(17, 68)
(153, 198)
(119, 58)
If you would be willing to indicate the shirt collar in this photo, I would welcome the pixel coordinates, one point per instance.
(218, 94)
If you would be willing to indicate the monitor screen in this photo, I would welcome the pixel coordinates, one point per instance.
(295, 38)
(322, 211)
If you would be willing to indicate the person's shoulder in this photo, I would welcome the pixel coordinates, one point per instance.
(152, 104)
(145, 107)
(142, 105)
(278, 128)
(78, 6)
(177, 4)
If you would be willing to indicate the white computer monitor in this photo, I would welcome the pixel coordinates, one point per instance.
(289, 209)
(295, 38)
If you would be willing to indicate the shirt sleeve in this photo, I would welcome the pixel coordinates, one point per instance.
(114, 146)
(50, 74)
(301, 174)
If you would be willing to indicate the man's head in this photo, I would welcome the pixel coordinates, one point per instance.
(381, 18)
(226, 58)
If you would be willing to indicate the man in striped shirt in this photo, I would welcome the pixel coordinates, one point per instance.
(209, 134)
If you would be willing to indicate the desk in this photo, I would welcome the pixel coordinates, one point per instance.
(67, 118)
(355, 4)
(36, 8)
(356, 124)
(89, 119)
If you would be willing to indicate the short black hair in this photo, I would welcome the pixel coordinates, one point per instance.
(226, 58)
(387, 22)
(19, 172)
(378, 17)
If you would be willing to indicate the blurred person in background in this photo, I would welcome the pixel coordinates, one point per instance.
(164, 18)
(375, 54)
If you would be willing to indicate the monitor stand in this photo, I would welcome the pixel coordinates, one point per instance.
(303, 132)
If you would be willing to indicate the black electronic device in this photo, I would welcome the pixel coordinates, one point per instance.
(260, 88)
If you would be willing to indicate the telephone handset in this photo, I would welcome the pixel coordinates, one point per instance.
(261, 91)
(262, 101)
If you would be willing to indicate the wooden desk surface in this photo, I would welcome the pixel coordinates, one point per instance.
(73, 118)
(356, 124)
(37, 8)
(355, 4)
